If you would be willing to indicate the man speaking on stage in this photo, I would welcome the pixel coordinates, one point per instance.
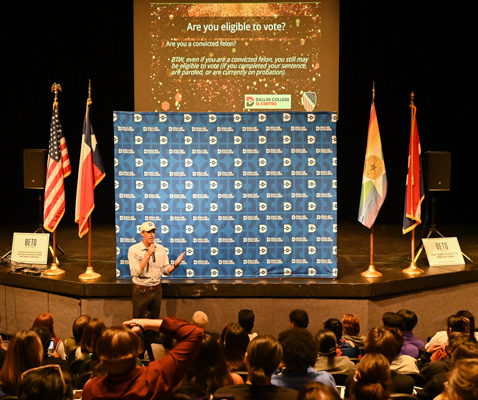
(148, 262)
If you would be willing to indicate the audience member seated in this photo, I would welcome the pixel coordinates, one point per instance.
(440, 338)
(263, 356)
(344, 347)
(234, 341)
(372, 380)
(118, 349)
(209, 370)
(431, 369)
(455, 323)
(317, 391)
(246, 319)
(437, 384)
(91, 334)
(201, 319)
(298, 319)
(411, 320)
(328, 359)
(395, 320)
(463, 382)
(87, 350)
(3, 352)
(188, 391)
(402, 364)
(46, 319)
(48, 359)
(161, 349)
(382, 341)
(25, 352)
(72, 343)
(300, 353)
(351, 329)
(46, 382)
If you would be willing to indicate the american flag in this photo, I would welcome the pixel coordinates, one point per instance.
(58, 168)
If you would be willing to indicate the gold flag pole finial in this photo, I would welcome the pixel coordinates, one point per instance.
(54, 270)
(89, 101)
(55, 88)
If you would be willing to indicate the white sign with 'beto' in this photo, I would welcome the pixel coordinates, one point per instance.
(443, 251)
(30, 248)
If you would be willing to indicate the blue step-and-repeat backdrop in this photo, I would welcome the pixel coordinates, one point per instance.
(245, 195)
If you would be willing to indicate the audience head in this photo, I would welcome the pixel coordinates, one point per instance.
(463, 380)
(383, 341)
(45, 319)
(317, 391)
(393, 320)
(467, 349)
(91, 334)
(300, 349)
(25, 351)
(118, 349)
(187, 391)
(351, 325)
(79, 327)
(45, 337)
(456, 339)
(200, 319)
(263, 356)
(209, 369)
(335, 326)
(372, 380)
(458, 323)
(234, 346)
(327, 343)
(246, 320)
(410, 319)
(299, 319)
(471, 318)
(46, 382)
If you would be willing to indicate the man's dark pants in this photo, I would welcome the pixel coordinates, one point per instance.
(147, 304)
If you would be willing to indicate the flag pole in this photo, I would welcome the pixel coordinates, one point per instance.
(54, 270)
(371, 272)
(412, 268)
(89, 273)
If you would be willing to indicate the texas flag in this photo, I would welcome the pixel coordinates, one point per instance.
(90, 173)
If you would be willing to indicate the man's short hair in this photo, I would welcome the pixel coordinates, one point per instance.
(246, 319)
(299, 318)
(200, 319)
(393, 320)
(410, 319)
(300, 348)
(118, 348)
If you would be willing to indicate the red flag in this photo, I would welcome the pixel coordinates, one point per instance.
(90, 173)
(58, 168)
(415, 187)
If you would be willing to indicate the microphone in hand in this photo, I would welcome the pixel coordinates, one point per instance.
(153, 256)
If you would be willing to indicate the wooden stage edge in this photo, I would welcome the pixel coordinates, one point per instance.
(391, 252)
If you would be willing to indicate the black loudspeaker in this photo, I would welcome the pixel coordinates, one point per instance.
(34, 168)
(437, 168)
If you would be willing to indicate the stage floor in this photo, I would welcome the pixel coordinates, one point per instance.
(392, 255)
